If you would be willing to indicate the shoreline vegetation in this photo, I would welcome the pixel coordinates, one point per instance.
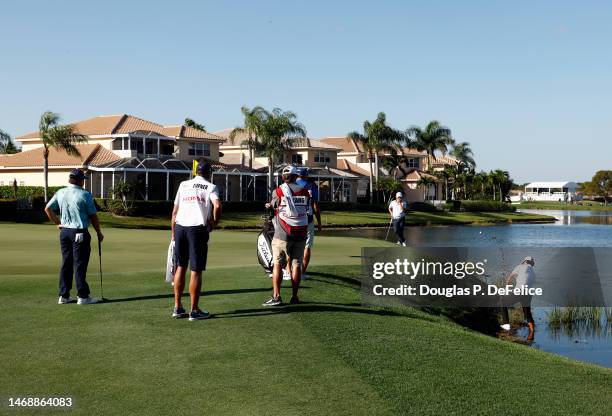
(551, 205)
(341, 220)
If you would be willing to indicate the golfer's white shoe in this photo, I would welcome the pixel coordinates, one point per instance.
(62, 300)
(286, 276)
(87, 301)
(506, 327)
(404, 244)
(398, 243)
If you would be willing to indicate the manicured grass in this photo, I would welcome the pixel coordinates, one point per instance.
(580, 206)
(238, 220)
(328, 355)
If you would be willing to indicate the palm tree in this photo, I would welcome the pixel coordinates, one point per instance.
(434, 137)
(6, 143)
(192, 123)
(253, 120)
(278, 131)
(60, 137)
(377, 136)
(463, 153)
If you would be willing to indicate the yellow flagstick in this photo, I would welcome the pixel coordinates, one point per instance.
(193, 169)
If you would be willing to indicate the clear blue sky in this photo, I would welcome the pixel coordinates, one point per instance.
(528, 84)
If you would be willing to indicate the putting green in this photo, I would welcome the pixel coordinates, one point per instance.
(328, 355)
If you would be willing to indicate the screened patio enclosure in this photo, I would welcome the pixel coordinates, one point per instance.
(159, 179)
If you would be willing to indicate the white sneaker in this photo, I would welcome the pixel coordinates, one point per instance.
(87, 301)
(62, 300)
(506, 327)
(286, 276)
(398, 243)
(404, 244)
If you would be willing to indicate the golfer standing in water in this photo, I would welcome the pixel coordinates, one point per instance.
(397, 210)
(522, 275)
(77, 209)
(191, 225)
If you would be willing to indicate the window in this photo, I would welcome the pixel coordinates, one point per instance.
(296, 159)
(322, 157)
(136, 144)
(346, 193)
(117, 144)
(167, 148)
(412, 162)
(21, 183)
(151, 147)
(199, 149)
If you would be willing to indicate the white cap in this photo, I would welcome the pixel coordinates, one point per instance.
(399, 195)
(290, 170)
(528, 258)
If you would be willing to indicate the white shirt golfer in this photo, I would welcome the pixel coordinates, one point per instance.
(194, 200)
(398, 208)
(525, 275)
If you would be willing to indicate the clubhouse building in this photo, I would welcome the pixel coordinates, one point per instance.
(156, 158)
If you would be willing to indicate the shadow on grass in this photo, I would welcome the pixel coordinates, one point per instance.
(307, 307)
(203, 294)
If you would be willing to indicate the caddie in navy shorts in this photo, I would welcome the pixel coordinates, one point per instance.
(191, 244)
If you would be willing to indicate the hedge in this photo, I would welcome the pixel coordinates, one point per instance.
(164, 208)
(6, 192)
(8, 209)
(479, 206)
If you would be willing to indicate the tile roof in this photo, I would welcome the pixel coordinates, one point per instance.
(307, 143)
(442, 160)
(125, 123)
(190, 133)
(91, 154)
(351, 167)
(415, 175)
(347, 145)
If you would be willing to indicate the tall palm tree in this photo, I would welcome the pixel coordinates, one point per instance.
(60, 137)
(253, 120)
(434, 137)
(377, 136)
(463, 153)
(278, 131)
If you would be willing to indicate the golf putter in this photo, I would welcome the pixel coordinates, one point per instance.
(102, 298)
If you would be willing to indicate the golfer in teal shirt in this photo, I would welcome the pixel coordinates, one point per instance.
(77, 210)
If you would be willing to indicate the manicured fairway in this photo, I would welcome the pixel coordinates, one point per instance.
(326, 356)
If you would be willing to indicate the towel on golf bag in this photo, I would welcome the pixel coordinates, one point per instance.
(170, 263)
(264, 247)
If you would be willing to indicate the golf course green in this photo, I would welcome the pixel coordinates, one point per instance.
(328, 355)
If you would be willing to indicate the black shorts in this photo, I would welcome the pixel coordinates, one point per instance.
(191, 246)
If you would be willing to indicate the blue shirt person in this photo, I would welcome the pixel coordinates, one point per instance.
(314, 211)
(76, 210)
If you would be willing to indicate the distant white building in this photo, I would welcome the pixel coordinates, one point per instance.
(550, 191)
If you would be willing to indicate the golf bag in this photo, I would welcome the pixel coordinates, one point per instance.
(264, 244)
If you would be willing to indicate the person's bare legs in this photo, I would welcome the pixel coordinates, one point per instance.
(296, 277)
(306, 259)
(277, 277)
(195, 285)
(179, 285)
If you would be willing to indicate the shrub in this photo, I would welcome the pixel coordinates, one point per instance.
(8, 209)
(480, 206)
(6, 191)
(422, 207)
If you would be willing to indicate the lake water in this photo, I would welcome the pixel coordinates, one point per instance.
(589, 343)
